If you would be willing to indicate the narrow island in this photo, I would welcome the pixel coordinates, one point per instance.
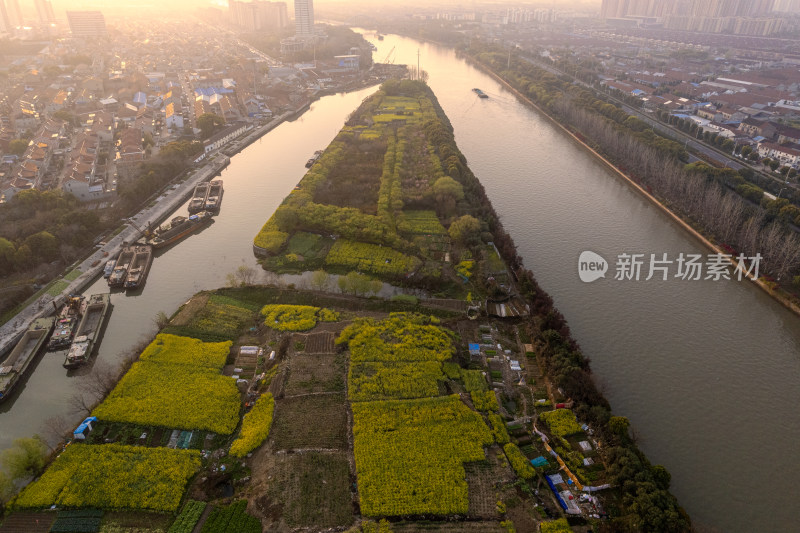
(459, 404)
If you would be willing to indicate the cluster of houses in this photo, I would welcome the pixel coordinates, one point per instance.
(93, 111)
(758, 108)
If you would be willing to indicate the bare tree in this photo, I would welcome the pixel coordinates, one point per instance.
(56, 429)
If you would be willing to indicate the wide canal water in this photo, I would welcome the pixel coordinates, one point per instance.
(707, 372)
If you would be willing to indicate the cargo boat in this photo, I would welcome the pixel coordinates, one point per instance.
(310, 162)
(214, 198)
(480, 93)
(94, 314)
(120, 272)
(178, 228)
(140, 266)
(198, 201)
(23, 354)
(66, 322)
(109, 268)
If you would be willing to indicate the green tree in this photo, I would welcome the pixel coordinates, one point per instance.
(465, 230)
(746, 150)
(26, 458)
(66, 116)
(43, 245)
(7, 250)
(447, 192)
(320, 280)
(774, 164)
(661, 476)
(18, 146)
(208, 122)
(23, 257)
(619, 425)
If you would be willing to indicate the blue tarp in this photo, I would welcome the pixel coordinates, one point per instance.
(80, 430)
(561, 501)
(539, 461)
(474, 348)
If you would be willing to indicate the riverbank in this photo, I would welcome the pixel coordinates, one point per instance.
(683, 223)
(92, 266)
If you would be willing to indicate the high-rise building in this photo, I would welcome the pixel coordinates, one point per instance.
(258, 15)
(303, 17)
(787, 6)
(4, 20)
(686, 8)
(611, 9)
(86, 23)
(15, 13)
(44, 10)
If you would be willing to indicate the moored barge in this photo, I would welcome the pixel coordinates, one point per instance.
(23, 354)
(94, 314)
(140, 266)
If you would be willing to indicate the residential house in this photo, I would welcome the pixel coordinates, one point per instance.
(757, 128)
(783, 154)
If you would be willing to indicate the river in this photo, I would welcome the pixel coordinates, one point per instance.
(707, 372)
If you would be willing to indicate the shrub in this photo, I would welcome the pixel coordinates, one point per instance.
(170, 389)
(113, 476)
(561, 422)
(474, 380)
(499, 429)
(283, 317)
(521, 465)
(371, 258)
(232, 519)
(410, 454)
(484, 400)
(188, 518)
(186, 351)
(255, 426)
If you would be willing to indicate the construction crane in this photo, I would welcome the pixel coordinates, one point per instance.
(146, 232)
(389, 55)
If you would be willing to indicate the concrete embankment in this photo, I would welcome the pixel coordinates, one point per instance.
(92, 266)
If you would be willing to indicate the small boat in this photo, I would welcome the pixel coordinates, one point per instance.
(198, 201)
(310, 162)
(109, 268)
(480, 93)
(94, 314)
(23, 354)
(214, 198)
(140, 266)
(66, 322)
(178, 228)
(120, 272)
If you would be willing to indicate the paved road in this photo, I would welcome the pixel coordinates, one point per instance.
(93, 265)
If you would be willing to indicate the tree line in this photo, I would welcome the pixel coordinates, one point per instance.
(707, 197)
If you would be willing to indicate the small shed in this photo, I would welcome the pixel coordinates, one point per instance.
(84, 429)
(474, 348)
